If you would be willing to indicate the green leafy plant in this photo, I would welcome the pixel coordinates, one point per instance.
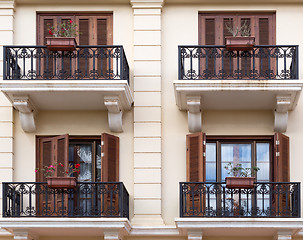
(48, 171)
(244, 29)
(239, 171)
(64, 29)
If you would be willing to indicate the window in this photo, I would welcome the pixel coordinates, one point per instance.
(98, 156)
(207, 156)
(247, 152)
(96, 29)
(213, 30)
(212, 27)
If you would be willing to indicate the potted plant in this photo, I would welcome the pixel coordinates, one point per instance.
(244, 42)
(60, 182)
(241, 177)
(63, 37)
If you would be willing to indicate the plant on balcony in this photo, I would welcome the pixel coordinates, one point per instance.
(65, 181)
(240, 177)
(244, 42)
(63, 37)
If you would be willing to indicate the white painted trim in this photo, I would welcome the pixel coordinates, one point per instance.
(27, 112)
(110, 86)
(194, 87)
(115, 113)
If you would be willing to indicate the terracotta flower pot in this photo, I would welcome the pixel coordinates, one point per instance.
(240, 182)
(61, 43)
(61, 182)
(239, 43)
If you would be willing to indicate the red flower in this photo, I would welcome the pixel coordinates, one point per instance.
(77, 165)
(70, 21)
(50, 32)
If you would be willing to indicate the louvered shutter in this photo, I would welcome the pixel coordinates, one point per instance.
(280, 170)
(110, 158)
(52, 151)
(280, 164)
(195, 157)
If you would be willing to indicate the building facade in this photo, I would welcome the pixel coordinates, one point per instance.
(153, 104)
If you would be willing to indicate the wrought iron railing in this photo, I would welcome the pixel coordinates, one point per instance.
(215, 62)
(86, 62)
(265, 200)
(88, 199)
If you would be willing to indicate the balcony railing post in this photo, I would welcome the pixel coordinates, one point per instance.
(181, 199)
(5, 62)
(179, 63)
(4, 199)
(121, 63)
(297, 62)
(121, 203)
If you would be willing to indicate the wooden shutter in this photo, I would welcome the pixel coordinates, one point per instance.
(280, 165)
(195, 157)
(109, 158)
(212, 29)
(52, 150)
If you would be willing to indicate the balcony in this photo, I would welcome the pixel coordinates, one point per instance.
(89, 78)
(88, 199)
(215, 200)
(212, 78)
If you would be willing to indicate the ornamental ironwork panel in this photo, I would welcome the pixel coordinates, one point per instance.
(87, 199)
(215, 62)
(265, 200)
(85, 63)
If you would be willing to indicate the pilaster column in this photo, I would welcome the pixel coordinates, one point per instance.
(6, 109)
(147, 112)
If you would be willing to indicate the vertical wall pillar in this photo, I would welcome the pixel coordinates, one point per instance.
(6, 109)
(147, 112)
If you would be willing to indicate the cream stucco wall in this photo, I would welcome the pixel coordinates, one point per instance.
(174, 122)
(179, 26)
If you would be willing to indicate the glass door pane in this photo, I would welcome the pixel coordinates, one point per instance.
(235, 153)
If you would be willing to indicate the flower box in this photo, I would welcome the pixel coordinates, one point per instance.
(240, 182)
(61, 43)
(239, 43)
(61, 182)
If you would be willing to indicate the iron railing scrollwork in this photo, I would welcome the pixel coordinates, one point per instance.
(88, 199)
(85, 63)
(215, 62)
(265, 200)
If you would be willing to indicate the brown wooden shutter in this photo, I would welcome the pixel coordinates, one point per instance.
(195, 157)
(109, 158)
(53, 150)
(262, 27)
(280, 165)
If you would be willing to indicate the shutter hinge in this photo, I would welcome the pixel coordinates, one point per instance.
(102, 154)
(204, 142)
(204, 154)
(277, 154)
(102, 143)
(277, 142)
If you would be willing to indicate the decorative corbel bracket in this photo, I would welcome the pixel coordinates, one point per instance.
(27, 113)
(194, 114)
(281, 113)
(115, 113)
